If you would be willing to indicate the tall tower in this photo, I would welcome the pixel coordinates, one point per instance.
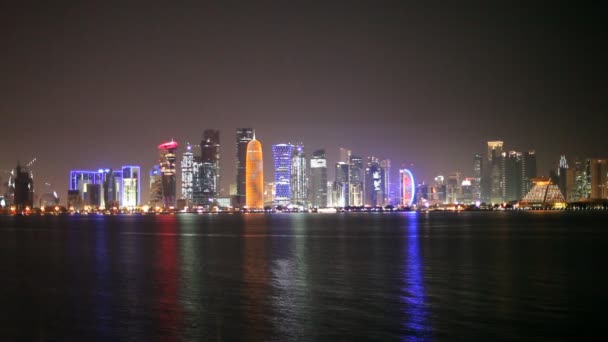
(131, 186)
(282, 154)
(493, 178)
(168, 174)
(299, 179)
(254, 175)
(210, 166)
(340, 191)
(318, 186)
(528, 171)
(187, 174)
(408, 187)
(477, 173)
(355, 181)
(243, 137)
(156, 187)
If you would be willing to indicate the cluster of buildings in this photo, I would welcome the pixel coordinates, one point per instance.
(499, 176)
(301, 182)
(298, 181)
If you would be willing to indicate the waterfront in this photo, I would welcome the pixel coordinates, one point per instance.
(387, 276)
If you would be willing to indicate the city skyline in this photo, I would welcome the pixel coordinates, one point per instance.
(90, 84)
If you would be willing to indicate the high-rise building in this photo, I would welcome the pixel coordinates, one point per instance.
(439, 190)
(562, 174)
(112, 185)
(375, 185)
(513, 173)
(268, 193)
(243, 137)
(453, 187)
(156, 187)
(168, 173)
(356, 175)
(187, 174)
(477, 174)
(340, 188)
(131, 186)
(210, 166)
(408, 187)
(282, 154)
(598, 175)
(83, 181)
(318, 177)
(528, 171)
(494, 182)
(24, 189)
(299, 178)
(254, 172)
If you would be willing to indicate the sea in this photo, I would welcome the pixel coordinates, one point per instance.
(407, 276)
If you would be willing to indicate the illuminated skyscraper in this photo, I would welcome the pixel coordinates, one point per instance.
(243, 137)
(318, 186)
(453, 187)
(374, 183)
(562, 174)
(210, 166)
(156, 187)
(168, 174)
(299, 179)
(408, 187)
(187, 174)
(356, 175)
(598, 174)
(513, 173)
(492, 180)
(528, 171)
(340, 190)
(282, 154)
(477, 174)
(131, 183)
(254, 175)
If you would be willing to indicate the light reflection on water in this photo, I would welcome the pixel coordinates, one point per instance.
(416, 323)
(302, 277)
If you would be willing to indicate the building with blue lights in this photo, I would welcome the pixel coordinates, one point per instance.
(156, 187)
(282, 154)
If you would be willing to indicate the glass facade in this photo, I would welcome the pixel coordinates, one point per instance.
(168, 173)
(282, 154)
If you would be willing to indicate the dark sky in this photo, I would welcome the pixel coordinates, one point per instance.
(88, 84)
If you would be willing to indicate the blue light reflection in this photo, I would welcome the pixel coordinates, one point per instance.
(416, 323)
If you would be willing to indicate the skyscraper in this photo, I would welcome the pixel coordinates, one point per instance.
(340, 189)
(598, 174)
(131, 183)
(282, 154)
(493, 180)
(408, 187)
(24, 188)
(513, 173)
(356, 175)
(376, 182)
(562, 174)
(299, 177)
(318, 177)
(243, 137)
(528, 171)
(210, 165)
(168, 173)
(477, 174)
(156, 187)
(254, 175)
(187, 174)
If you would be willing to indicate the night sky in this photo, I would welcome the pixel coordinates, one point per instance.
(89, 84)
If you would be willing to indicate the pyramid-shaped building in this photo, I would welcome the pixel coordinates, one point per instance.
(543, 194)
